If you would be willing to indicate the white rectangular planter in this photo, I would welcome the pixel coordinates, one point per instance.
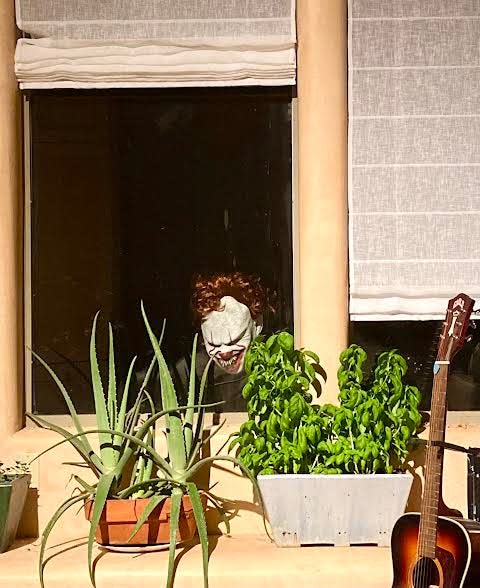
(345, 509)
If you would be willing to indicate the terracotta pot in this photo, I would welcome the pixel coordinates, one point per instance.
(120, 516)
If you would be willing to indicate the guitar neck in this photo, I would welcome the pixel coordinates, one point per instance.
(427, 539)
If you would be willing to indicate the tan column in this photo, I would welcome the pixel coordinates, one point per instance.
(11, 305)
(322, 181)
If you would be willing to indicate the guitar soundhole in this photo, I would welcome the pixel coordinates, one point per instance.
(425, 574)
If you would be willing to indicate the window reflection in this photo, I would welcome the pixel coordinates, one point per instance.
(135, 192)
(417, 341)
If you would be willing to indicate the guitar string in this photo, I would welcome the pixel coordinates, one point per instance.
(420, 573)
(423, 521)
(436, 352)
(435, 458)
(437, 453)
(421, 547)
(429, 520)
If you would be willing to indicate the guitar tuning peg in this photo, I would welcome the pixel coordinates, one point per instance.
(468, 338)
(473, 325)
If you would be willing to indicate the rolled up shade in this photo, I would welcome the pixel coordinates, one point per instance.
(414, 157)
(157, 43)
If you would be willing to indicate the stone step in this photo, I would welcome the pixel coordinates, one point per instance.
(236, 562)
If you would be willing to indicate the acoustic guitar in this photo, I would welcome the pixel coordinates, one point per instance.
(430, 550)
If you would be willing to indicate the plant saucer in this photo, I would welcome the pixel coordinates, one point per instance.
(135, 548)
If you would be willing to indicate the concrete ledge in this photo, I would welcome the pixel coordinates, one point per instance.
(235, 562)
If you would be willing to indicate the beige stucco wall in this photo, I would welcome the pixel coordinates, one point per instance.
(322, 182)
(11, 303)
(323, 286)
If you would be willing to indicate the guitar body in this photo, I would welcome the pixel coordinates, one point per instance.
(453, 554)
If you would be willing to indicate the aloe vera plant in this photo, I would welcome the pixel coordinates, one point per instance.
(122, 439)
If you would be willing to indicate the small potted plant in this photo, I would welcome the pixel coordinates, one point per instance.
(14, 483)
(157, 500)
(328, 474)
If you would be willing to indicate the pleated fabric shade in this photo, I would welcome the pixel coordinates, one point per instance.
(414, 156)
(155, 43)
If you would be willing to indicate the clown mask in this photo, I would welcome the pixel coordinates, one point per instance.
(228, 332)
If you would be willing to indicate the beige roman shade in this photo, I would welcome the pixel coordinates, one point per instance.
(155, 43)
(414, 156)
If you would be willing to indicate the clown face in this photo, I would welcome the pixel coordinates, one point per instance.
(227, 334)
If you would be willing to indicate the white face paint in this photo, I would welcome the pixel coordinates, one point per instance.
(227, 334)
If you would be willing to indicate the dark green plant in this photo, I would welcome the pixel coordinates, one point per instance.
(9, 472)
(369, 432)
(377, 417)
(279, 406)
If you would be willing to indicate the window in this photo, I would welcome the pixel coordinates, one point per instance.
(133, 192)
(413, 182)
(417, 341)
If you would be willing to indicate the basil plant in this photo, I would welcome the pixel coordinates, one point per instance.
(370, 431)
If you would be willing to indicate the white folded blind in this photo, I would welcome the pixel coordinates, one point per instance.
(414, 156)
(123, 43)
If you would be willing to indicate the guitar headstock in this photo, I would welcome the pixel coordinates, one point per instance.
(455, 326)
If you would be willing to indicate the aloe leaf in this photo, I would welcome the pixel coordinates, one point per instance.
(68, 401)
(210, 460)
(48, 529)
(81, 446)
(146, 379)
(188, 425)
(134, 474)
(106, 441)
(221, 512)
(131, 418)
(126, 492)
(134, 412)
(144, 466)
(201, 413)
(158, 459)
(150, 428)
(142, 431)
(147, 473)
(87, 487)
(201, 527)
(175, 505)
(148, 374)
(77, 464)
(203, 381)
(150, 402)
(101, 496)
(140, 469)
(112, 387)
(202, 442)
(123, 405)
(151, 506)
(176, 444)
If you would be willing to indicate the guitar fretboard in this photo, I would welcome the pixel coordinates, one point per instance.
(427, 538)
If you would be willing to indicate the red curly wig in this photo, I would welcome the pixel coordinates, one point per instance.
(247, 289)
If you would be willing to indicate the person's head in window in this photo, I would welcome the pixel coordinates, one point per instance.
(229, 308)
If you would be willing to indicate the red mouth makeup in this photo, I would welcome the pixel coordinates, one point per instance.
(231, 361)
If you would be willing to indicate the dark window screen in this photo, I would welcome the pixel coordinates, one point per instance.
(132, 194)
(417, 341)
